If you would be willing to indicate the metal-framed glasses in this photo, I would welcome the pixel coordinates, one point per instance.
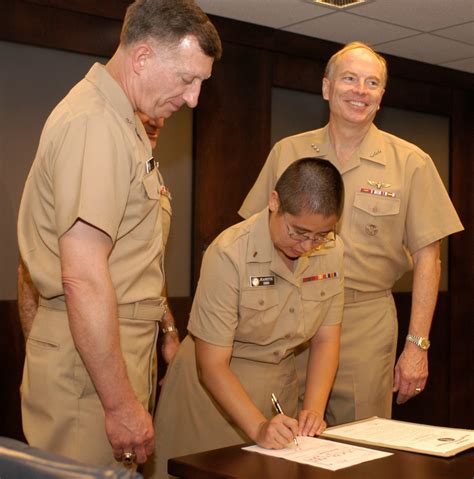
(326, 239)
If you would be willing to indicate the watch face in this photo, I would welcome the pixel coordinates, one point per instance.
(424, 343)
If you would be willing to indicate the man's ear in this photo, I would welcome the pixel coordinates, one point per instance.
(140, 55)
(325, 88)
(274, 202)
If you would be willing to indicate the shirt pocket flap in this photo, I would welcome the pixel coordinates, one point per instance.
(259, 299)
(376, 205)
(320, 290)
(152, 185)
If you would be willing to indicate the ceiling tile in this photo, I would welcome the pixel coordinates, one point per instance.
(270, 13)
(461, 33)
(390, 25)
(428, 48)
(423, 15)
(344, 27)
(466, 65)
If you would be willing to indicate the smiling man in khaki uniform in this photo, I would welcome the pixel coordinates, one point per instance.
(396, 212)
(90, 235)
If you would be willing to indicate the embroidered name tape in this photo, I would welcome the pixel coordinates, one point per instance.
(262, 281)
(321, 276)
(373, 191)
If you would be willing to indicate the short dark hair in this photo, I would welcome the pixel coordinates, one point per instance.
(169, 21)
(311, 185)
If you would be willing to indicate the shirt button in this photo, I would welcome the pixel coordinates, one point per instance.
(292, 310)
(261, 302)
(323, 293)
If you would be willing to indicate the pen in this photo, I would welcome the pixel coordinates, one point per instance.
(279, 410)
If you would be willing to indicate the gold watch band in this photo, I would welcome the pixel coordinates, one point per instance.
(169, 329)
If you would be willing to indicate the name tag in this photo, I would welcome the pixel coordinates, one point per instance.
(150, 165)
(262, 281)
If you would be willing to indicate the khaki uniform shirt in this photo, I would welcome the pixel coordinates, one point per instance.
(92, 164)
(248, 299)
(395, 202)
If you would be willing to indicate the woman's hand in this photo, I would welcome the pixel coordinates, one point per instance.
(310, 423)
(277, 432)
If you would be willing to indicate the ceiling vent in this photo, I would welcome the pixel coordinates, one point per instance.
(339, 4)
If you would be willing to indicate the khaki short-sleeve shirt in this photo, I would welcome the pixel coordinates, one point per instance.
(94, 163)
(249, 299)
(395, 202)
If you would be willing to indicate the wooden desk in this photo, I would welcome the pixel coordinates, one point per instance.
(233, 462)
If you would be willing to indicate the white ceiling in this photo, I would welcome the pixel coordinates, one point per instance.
(440, 32)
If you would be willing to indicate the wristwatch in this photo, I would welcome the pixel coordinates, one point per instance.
(420, 341)
(169, 329)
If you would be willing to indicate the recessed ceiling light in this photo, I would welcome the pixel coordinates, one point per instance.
(339, 4)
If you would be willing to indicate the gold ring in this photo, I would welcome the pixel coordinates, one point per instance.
(418, 390)
(128, 458)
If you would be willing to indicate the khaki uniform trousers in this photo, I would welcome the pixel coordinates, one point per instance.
(364, 379)
(61, 410)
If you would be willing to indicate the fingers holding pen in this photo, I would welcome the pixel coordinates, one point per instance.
(277, 432)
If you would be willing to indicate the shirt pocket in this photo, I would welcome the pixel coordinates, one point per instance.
(258, 315)
(374, 218)
(316, 296)
(148, 227)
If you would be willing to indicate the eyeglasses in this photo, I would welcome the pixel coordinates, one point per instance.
(326, 239)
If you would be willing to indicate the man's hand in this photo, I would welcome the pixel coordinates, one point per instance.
(130, 429)
(170, 346)
(411, 373)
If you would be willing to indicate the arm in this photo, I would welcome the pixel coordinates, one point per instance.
(257, 198)
(214, 372)
(28, 297)
(322, 365)
(411, 370)
(171, 338)
(92, 312)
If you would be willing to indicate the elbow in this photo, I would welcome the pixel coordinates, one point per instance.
(71, 286)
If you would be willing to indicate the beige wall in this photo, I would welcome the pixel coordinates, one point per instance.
(32, 81)
(294, 112)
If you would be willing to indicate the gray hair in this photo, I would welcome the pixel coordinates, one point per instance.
(168, 22)
(354, 46)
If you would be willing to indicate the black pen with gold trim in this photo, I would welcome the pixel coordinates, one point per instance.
(279, 410)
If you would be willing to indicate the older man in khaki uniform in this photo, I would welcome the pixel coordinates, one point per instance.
(395, 214)
(90, 234)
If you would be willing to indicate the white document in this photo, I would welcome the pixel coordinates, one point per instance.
(321, 453)
(407, 436)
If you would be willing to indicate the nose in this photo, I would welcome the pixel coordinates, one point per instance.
(307, 245)
(191, 95)
(360, 86)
